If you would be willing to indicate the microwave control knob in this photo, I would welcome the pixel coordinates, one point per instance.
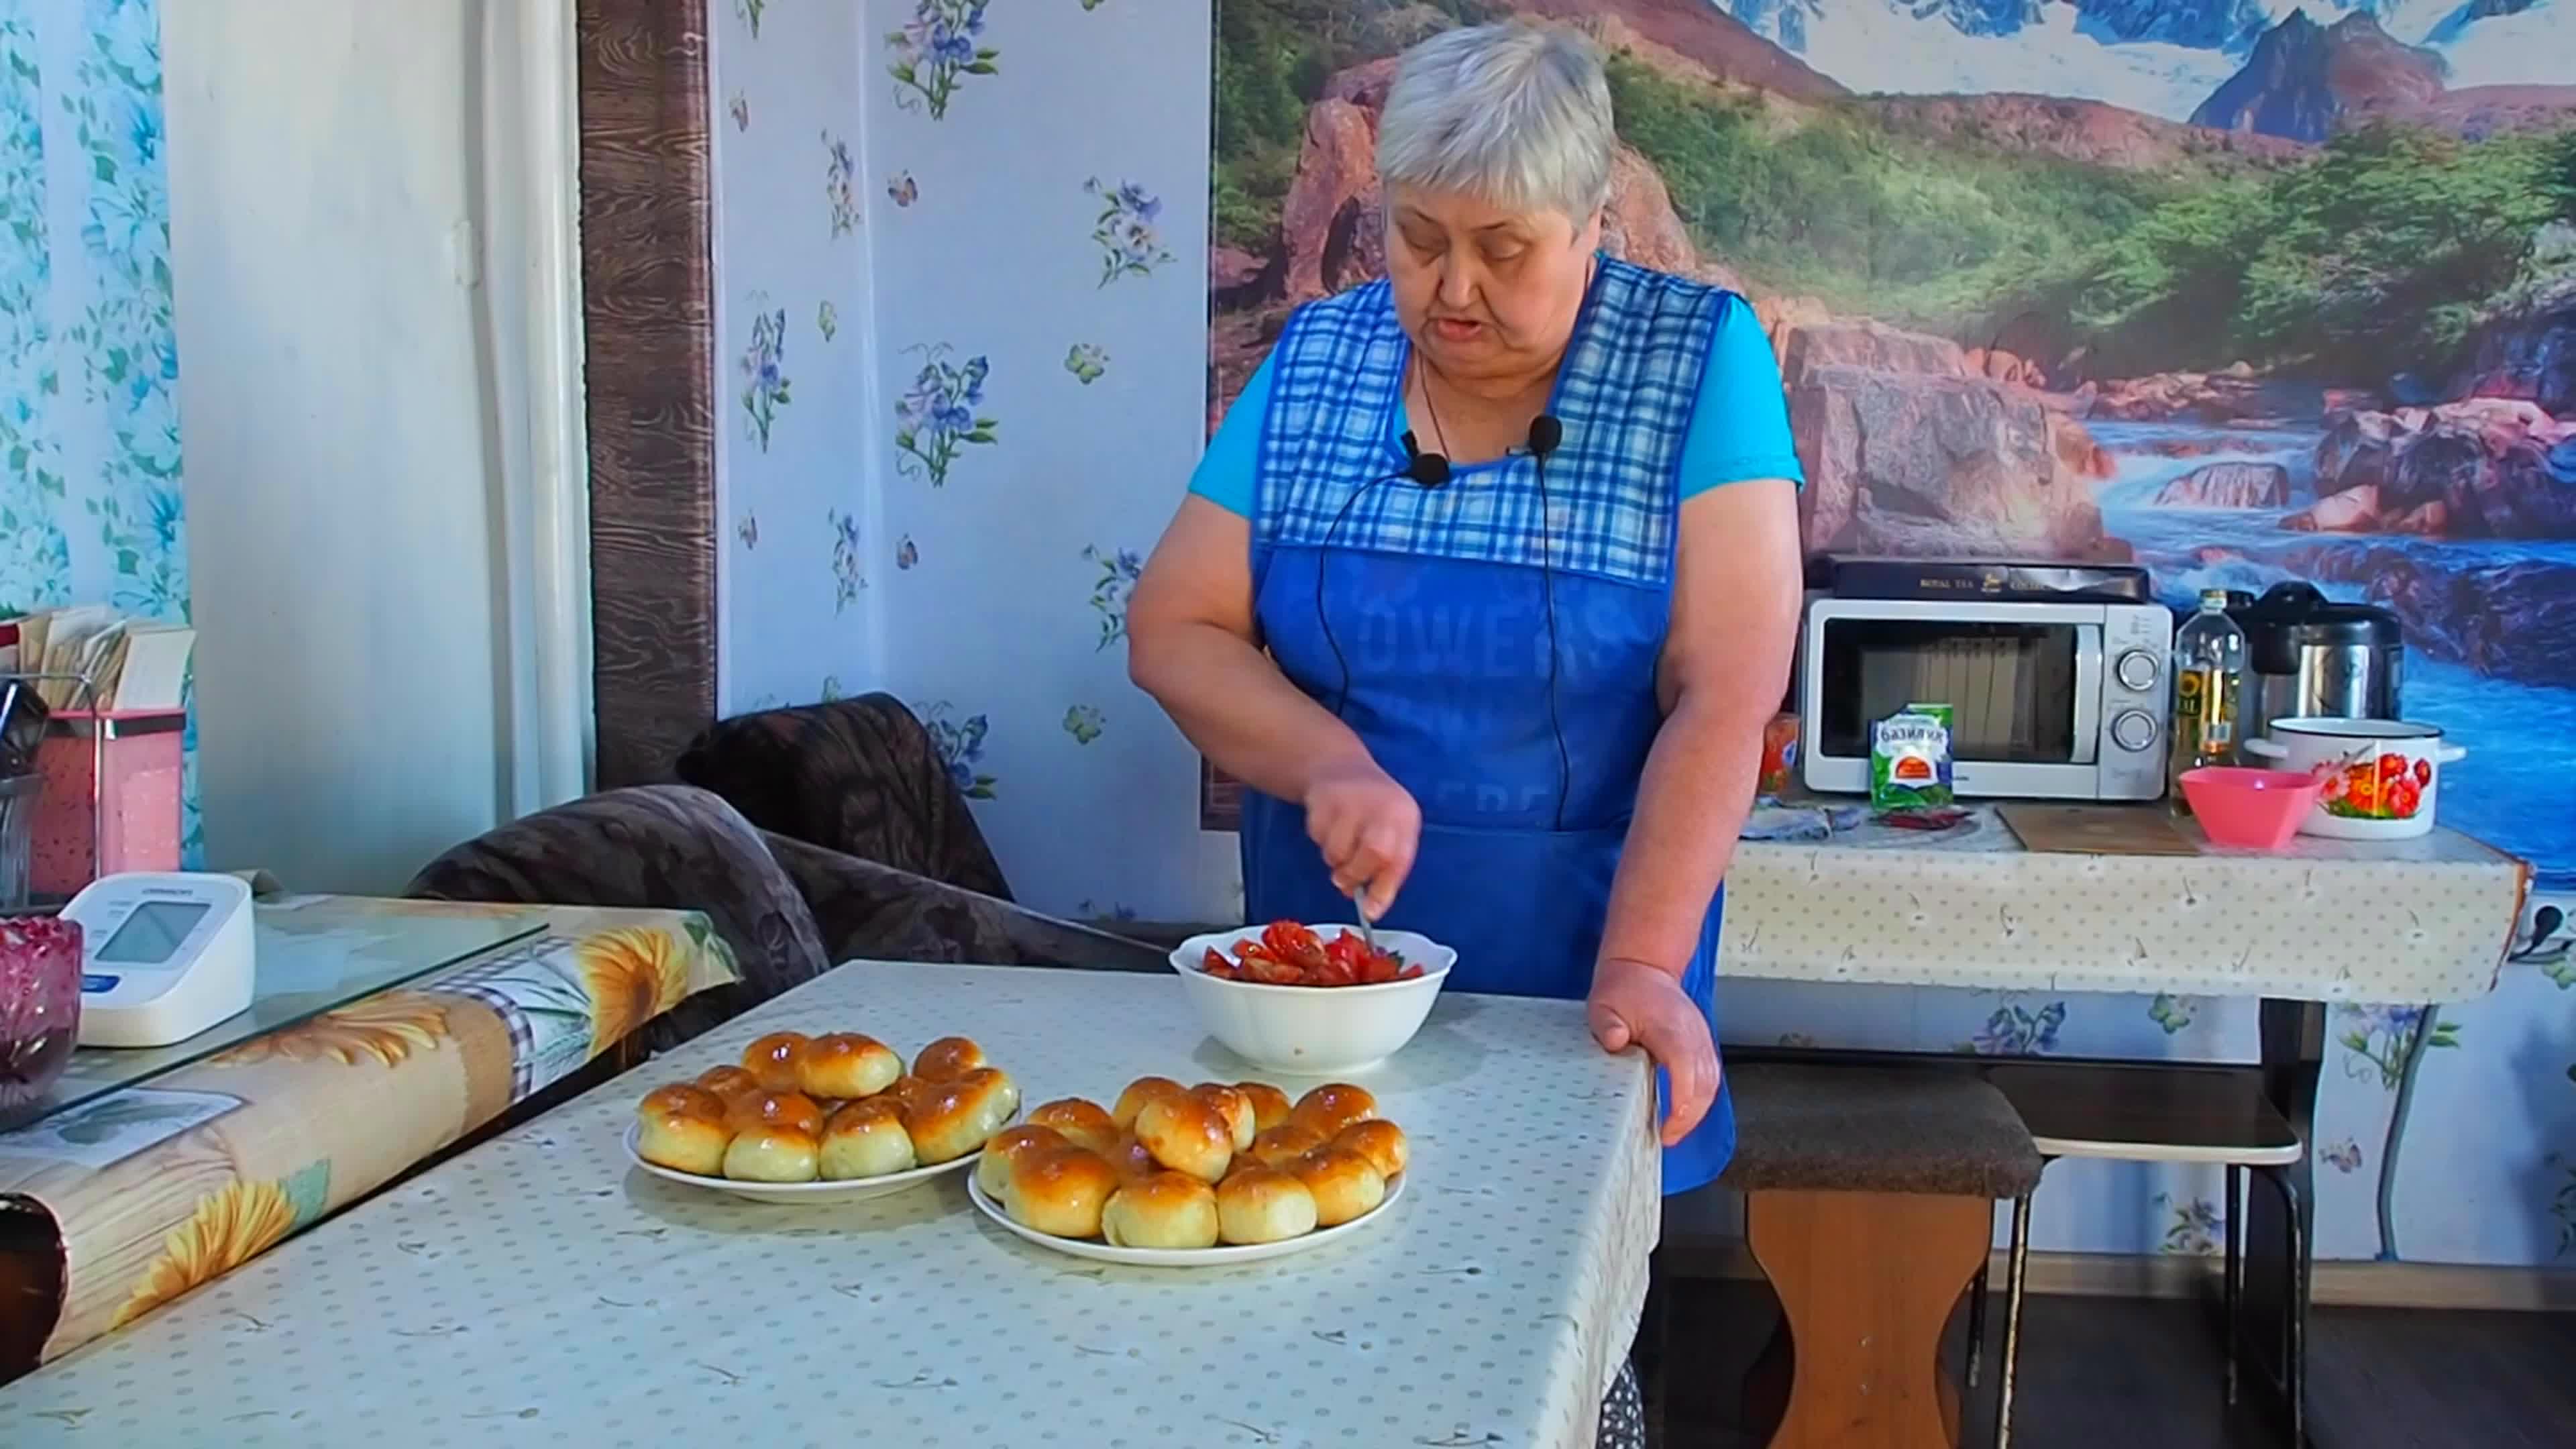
(2134, 730)
(2136, 671)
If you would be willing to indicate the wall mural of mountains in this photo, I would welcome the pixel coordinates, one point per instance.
(2245, 289)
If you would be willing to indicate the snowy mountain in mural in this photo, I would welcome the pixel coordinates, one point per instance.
(2163, 57)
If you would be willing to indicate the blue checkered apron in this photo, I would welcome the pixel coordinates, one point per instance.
(1436, 601)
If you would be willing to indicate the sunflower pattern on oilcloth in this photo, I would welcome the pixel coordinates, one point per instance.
(386, 1029)
(230, 1227)
(633, 974)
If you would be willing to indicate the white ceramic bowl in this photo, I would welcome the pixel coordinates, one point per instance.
(1314, 1031)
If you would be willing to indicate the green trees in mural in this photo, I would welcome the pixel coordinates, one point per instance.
(2381, 255)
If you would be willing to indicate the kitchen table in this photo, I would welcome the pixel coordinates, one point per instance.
(2415, 921)
(540, 1290)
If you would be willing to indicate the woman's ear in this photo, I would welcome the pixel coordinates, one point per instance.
(1587, 236)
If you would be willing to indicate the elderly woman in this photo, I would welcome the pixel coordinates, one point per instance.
(1487, 583)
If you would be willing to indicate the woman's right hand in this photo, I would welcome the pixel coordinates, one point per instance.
(1368, 827)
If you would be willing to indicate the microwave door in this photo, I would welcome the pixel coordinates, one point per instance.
(2088, 693)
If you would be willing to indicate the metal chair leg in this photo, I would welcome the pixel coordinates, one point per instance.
(2294, 1317)
(2233, 1291)
(2015, 1275)
(1976, 1326)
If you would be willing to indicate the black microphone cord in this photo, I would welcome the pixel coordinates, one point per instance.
(1430, 470)
(1545, 433)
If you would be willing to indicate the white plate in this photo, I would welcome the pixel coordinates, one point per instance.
(1217, 1257)
(857, 1189)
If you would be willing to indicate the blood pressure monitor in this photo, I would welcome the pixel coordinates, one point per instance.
(163, 957)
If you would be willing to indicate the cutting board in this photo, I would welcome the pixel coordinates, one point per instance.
(2097, 829)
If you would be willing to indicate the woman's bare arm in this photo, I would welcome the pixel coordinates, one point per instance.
(1736, 596)
(1193, 646)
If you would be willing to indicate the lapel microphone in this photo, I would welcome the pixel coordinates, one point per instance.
(1431, 470)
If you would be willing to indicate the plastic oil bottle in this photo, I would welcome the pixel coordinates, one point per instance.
(2209, 679)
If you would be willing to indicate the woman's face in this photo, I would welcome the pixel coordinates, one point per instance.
(1486, 292)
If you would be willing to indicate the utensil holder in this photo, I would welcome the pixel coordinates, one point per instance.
(111, 798)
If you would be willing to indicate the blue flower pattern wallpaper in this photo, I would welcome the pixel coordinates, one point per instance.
(1014, 476)
(90, 503)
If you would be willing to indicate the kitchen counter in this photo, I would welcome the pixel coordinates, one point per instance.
(540, 1289)
(2398, 921)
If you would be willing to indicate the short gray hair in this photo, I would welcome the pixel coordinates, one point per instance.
(1514, 114)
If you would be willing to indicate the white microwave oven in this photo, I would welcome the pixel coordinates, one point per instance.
(2054, 701)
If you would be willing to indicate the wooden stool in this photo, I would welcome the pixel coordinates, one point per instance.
(1870, 1202)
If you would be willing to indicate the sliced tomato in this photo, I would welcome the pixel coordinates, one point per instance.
(1409, 972)
(1272, 972)
(1379, 968)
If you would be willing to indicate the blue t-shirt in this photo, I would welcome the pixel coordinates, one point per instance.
(1739, 427)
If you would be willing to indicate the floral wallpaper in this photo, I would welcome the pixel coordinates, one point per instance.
(90, 508)
(795, 580)
(1027, 279)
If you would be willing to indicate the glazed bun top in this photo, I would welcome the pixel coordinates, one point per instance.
(1138, 1093)
(847, 1065)
(1084, 1123)
(682, 1100)
(1380, 1141)
(773, 1060)
(1330, 1108)
(947, 1059)
(728, 1082)
(792, 1110)
(1233, 1106)
(1270, 1105)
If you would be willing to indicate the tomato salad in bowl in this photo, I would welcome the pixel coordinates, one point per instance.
(1288, 954)
(1255, 991)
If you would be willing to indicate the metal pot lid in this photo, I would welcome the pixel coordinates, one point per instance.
(2321, 726)
(2294, 616)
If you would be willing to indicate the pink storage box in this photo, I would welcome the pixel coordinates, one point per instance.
(133, 811)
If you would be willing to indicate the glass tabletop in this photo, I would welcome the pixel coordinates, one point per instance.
(314, 953)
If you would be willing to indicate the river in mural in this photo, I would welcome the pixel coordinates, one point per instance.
(2515, 729)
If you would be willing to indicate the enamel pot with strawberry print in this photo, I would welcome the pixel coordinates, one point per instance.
(2381, 776)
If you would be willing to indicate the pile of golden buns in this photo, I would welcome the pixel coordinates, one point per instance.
(1177, 1167)
(830, 1108)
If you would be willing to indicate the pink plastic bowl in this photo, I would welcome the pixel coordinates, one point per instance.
(2249, 809)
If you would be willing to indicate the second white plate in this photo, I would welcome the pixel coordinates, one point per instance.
(1216, 1257)
(858, 1189)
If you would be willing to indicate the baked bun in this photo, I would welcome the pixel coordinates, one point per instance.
(1006, 1147)
(683, 1129)
(1061, 1193)
(1132, 1159)
(866, 1139)
(1186, 1135)
(1260, 1205)
(1330, 1108)
(1270, 1105)
(1378, 1140)
(952, 1119)
(773, 1154)
(1281, 1146)
(847, 1065)
(1233, 1106)
(907, 1090)
(1138, 1093)
(773, 1060)
(728, 1082)
(1084, 1124)
(947, 1059)
(776, 1109)
(1166, 1210)
(1344, 1184)
(683, 1097)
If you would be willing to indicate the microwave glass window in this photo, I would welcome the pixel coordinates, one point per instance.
(2010, 687)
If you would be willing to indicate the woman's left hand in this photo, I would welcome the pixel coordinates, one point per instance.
(1633, 1003)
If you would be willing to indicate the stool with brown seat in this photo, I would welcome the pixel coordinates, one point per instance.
(1870, 1199)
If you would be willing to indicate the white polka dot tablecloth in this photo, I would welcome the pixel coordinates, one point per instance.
(2425, 920)
(541, 1291)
